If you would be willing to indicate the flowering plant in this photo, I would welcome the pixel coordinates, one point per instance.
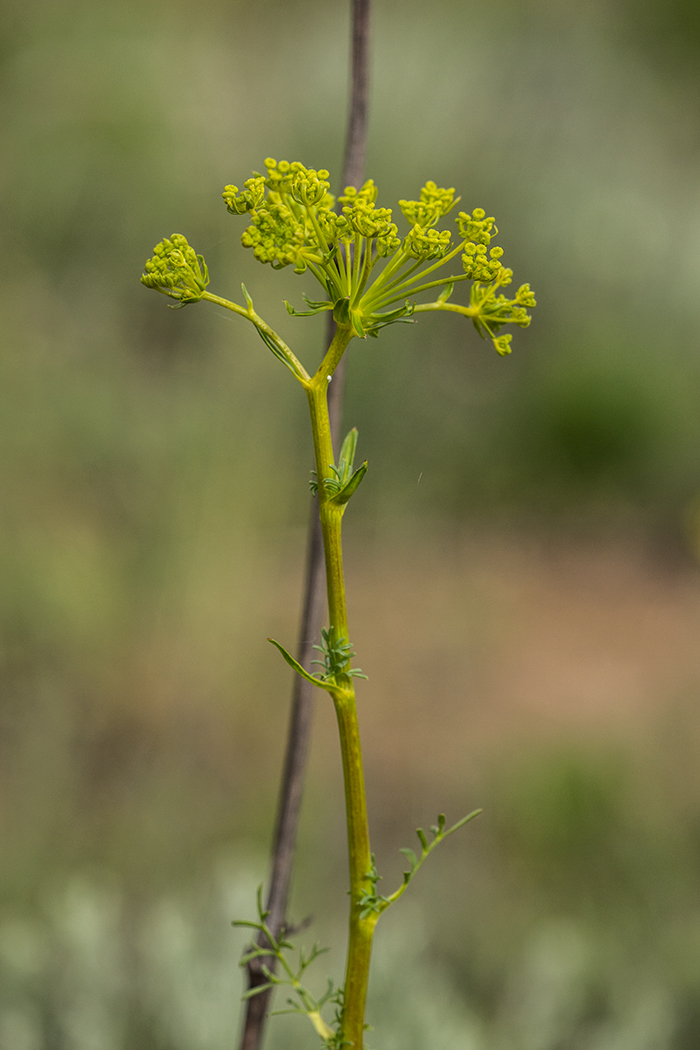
(370, 277)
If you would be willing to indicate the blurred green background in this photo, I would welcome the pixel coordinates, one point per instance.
(522, 557)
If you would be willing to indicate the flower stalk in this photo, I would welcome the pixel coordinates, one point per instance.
(359, 852)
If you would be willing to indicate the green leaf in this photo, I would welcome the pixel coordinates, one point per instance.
(357, 326)
(379, 320)
(341, 312)
(348, 490)
(423, 838)
(256, 953)
(316, 308)
(376, 328)
(410, 856)
(463, 821)
(328, 993)
(317, 304)
(262, 911)
(330, 256)
(347, 451)
(255, 991)
(248, 300)
(272, 345)
(328, 686)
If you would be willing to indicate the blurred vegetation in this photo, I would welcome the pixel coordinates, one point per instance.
(153, 469)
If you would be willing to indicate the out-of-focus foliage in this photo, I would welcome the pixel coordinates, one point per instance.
(576, 925)
(154, 468)
(668, 33)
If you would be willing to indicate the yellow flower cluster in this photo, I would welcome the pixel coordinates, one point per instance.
(177, 267)
(370, 275)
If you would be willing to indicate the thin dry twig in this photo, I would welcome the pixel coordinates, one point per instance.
(299, 732)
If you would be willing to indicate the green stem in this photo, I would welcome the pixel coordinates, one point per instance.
(441, 282)
(466, 311)
(357, 263)
(400, 277)
(342, 257)
(284, 353)
(311, 212)
(403, 281)
(440, 262)
(364, 273)
(395, 263)
(359, 853)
